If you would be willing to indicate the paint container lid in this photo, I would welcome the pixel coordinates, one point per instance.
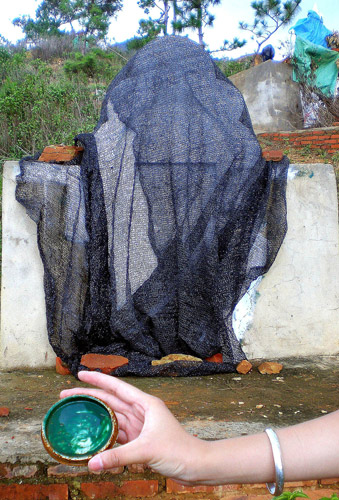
(78, 427)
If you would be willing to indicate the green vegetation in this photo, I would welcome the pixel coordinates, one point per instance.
(292, 495)
(45, 103)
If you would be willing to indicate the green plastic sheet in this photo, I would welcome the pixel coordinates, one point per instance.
(316, 65)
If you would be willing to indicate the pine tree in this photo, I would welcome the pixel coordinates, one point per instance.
(269, 16)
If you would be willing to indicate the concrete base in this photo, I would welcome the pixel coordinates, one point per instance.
(293, 312)
(272, 98)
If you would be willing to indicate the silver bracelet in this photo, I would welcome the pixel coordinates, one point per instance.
(276, 488)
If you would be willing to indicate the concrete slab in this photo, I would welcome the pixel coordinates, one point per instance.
(293, 312)
(272, 98)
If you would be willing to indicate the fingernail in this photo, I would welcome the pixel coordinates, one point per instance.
(95, 463)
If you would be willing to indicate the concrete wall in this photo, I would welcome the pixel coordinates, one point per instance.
(272, 98)
(292, 312)
(23, 336)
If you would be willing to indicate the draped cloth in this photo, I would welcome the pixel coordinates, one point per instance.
(149, 244)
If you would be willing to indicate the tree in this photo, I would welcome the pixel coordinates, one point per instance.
(269, 16)
(92, 17)
(194, 14)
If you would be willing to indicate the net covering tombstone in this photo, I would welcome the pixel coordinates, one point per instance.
(149, 244)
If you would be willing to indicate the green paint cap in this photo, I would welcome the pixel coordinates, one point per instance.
(78, 427)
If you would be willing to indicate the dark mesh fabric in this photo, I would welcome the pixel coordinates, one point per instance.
(149, 244)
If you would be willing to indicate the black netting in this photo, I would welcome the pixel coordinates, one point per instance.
(149, 244)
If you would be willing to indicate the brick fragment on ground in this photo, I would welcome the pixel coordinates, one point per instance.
(244, 367)
(4, 411)
(216, 358)
(60, 153)
(273, 155)
(106, 363)
(61, 367)
(270, 367)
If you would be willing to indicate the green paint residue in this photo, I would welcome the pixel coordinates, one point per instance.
(79, 428)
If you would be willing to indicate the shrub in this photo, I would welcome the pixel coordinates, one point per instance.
(232, 66)
(95, 64)
(39, 107)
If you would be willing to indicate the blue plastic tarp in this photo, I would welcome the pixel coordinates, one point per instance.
(312, 29)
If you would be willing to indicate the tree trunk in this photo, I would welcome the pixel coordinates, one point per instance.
(166, 10)
(200, 32)
(174, 2)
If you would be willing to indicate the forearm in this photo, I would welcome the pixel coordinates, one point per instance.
(309, 451)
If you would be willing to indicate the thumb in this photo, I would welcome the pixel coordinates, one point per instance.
(127, 454)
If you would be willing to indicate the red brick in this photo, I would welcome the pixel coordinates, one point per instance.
(106, 363)
(67, 470)
(5, 471)
(173, 486)
(259, 496)
(61, 367)
(4, 411)
(59, 153)
(138, 488)
(273, 155)
(319, 493)
(301, 484)
(137, 468)
(330, 141)
(34, 492)
(255, 486)
(335, 136)
(335, 124)
(216, 358)
(23, 471)
(335, 146)
(334, 480)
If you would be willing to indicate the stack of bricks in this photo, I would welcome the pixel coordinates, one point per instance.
(62, 482)
(325, 139)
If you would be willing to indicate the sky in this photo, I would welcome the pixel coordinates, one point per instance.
(227, 17)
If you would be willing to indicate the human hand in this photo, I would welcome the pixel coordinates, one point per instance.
(148, 432)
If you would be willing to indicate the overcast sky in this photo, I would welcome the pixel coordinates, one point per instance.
(227, 17)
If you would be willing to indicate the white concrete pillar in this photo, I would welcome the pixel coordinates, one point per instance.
(23, 337)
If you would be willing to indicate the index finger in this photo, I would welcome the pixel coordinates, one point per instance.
(124, 391)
